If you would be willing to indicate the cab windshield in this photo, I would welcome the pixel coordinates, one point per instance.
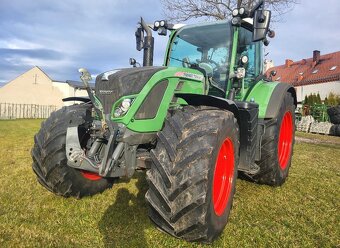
(206, 47)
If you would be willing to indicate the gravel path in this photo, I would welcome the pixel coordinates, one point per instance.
(315, 141)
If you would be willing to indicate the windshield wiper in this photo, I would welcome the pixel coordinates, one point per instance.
(185, 62)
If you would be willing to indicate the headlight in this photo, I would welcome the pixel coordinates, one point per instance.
(118, 112)
(123, 107)
(126, 103)
(244, 59)
(156, 24)
(235, 12)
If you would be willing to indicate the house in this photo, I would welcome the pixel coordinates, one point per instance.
(318, 74)
(35, 87)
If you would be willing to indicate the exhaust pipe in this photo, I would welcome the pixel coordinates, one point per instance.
(145, 42)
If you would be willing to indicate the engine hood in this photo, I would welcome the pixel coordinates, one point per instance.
(112, 85)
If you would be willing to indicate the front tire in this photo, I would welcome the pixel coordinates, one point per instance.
(277, 145)
(193, 174)
(50, 161)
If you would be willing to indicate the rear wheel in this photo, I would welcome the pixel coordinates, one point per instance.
(49, 157)
(193, 174)
(277, 145)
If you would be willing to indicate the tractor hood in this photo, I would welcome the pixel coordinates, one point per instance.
(112, 85)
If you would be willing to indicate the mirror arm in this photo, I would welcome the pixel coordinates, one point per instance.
(256, 7)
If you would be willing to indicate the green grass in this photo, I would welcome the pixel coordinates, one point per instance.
(302, 213)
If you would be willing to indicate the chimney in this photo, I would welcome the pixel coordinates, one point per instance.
(316, 56)
(288, 63)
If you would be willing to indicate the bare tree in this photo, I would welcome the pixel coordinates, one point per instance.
(183, 10)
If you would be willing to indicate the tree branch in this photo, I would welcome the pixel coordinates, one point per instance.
(183, 10)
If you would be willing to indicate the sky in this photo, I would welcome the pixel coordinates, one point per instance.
(62, 36)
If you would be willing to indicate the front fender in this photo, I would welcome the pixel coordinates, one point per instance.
(212, 101)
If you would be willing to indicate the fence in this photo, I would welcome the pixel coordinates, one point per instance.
(29, 111)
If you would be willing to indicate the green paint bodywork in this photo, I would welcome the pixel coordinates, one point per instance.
(233, 57)
(261, 94)
(171, 36)
(193, 86)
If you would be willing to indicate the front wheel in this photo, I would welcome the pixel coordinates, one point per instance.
(50, 161)
(193, 174)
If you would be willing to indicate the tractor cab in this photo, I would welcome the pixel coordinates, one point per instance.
(208, 47)
(228, 53)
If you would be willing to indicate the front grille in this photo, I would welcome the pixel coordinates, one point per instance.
(124, 82)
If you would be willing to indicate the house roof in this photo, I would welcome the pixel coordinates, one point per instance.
(318, 69)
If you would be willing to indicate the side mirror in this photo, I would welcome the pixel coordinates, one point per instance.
(261, 24)
(139, 38)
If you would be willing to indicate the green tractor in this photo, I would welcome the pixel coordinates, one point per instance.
(192, 124)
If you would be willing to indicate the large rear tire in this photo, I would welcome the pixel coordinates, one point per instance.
(277, 145)
(50, 162)
(193, 174)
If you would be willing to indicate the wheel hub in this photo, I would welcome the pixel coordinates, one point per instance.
(223, 176)
(285, 140)
(90, 175)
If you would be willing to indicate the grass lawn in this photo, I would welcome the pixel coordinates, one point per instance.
(305, 212)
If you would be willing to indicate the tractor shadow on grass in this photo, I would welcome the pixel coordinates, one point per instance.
(124, 222)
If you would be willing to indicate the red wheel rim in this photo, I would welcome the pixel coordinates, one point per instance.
(223, 176)
(285, 140)
(90, 175)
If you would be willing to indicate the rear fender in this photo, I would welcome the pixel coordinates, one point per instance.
(269, 95)
(277, 98)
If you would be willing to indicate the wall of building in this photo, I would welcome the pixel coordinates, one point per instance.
(323, 89)
(32, 87)
(68, 91)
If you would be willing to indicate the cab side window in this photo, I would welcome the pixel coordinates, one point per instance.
(253, 50)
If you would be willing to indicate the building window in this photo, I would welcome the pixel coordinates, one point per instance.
(315, 71)
(333, 68)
